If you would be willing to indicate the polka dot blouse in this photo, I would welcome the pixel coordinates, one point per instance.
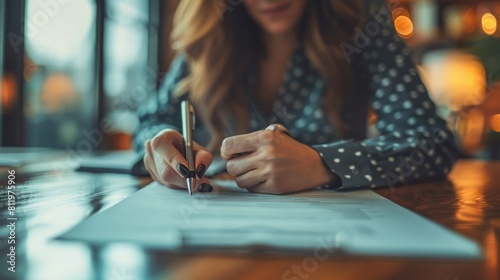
(412, 144)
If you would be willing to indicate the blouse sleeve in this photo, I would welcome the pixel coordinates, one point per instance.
(163, 111)
(414, 144)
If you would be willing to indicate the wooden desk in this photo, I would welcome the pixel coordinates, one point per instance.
(49, 204)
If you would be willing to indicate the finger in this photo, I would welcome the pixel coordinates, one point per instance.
(240, 144)
(280, 128)
(249, 180)
(203, 186)
(154, 171)
(266, 188)
(242, 164)
(149, 164)
(168, 151)
(171, 179)
(202, 159)
(167, 175)
(259, 188)
(269, 187)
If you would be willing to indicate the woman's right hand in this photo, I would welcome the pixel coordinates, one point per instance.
(166, 164)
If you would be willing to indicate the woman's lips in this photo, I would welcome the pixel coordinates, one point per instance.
(275, 10)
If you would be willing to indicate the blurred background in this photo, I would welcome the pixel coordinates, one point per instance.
(73, 72)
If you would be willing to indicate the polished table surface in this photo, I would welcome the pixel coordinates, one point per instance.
(52, 202)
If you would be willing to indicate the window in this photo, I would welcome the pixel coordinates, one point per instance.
(87, 66)
(59, 71)
(128, 78)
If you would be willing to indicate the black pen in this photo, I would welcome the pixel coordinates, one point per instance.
(187, 132)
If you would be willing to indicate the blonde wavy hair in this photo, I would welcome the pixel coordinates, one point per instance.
(219, 50)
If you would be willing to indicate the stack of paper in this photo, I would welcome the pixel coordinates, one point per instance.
(230, 219)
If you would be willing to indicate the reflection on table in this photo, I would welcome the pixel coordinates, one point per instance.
(50, 203)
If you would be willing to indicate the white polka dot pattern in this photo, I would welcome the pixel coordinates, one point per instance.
(414, 144)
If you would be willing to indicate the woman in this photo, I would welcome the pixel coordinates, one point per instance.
(316, 67)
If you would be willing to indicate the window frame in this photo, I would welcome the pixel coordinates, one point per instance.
(13, 123)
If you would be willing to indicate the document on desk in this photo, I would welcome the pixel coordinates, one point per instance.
(232, 220)
(128, 162)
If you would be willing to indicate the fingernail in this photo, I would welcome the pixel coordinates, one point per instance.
(183, 170)
(205, 188)
(201, 170)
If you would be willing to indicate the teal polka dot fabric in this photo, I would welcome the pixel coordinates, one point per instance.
(412, 144)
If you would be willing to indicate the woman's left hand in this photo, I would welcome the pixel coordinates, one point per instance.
(272, 162)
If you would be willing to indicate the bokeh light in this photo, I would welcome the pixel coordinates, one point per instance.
(489, 23)
(402, 22)
(495, 122)
(8, 93)
(57, 35)
(455, 79)
(404, 26)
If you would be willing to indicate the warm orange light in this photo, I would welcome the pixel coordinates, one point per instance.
(402, 22)
(495, 122)
(471, 130)
(8, 92)
(404, 26)
(489, 22)
(59, 93)
(455, 79)
(469, 21)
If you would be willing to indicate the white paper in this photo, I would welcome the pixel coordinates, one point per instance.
(231, 219)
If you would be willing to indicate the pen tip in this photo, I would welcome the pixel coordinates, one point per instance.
(189, 185)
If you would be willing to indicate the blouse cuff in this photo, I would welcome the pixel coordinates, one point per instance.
(348, 160)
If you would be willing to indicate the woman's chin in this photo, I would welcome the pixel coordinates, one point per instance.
(279, 29)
